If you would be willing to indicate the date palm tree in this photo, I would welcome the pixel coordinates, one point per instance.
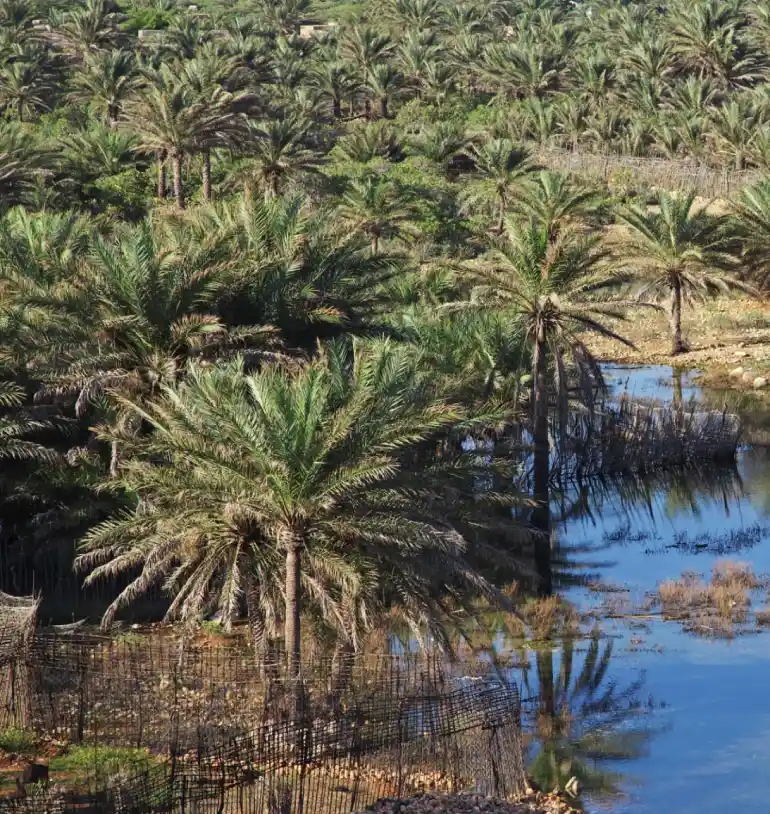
(26, 82)
(542, 282)
(751, 221)
(680, 251)
(501, 167)
(278, 149)
(305, 479)
(91, 26)
(106, 80)
(376, 207)
(171, 118)
(16, 425)
(22, 162)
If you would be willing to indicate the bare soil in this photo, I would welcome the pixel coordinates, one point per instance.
(723, 335)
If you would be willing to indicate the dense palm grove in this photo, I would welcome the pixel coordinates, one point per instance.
(258, 283)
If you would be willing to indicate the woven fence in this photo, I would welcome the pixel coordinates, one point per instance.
(672, 174)
(222, 733)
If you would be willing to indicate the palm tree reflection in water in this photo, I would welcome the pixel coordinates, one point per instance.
(582, 721)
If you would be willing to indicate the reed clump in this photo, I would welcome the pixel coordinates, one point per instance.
(718, 607)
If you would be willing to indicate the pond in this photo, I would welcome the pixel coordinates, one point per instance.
(654, 714)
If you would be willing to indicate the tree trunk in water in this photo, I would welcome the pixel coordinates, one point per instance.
(206, 175)
(178, 189)
(677, 343)
(292, 621)
(161, 177)
(677, 376)
(541, 515)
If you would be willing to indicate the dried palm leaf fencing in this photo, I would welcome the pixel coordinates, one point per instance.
(225, 735)
(622, 170)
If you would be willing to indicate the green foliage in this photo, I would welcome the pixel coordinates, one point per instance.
(146, 18)
(17, 741)
(95, 763)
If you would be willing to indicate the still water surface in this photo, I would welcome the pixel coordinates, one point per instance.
(685, 718)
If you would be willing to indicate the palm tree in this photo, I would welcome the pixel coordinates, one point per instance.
(315, 467)
(298, 270)
(680, 251)
(26, 83)
(279, 151)
(106, 80)
(751, 221)
(381, 81)
(92, 26)
(501, 167)
(441, 143)
(543, 282)
(100, 152)
(376, 207)
(17, 426)
(131, 319)
(172, 119)
(555, 202)
(22, 162)
(335, 82)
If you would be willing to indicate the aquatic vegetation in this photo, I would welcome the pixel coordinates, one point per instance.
(719, 607)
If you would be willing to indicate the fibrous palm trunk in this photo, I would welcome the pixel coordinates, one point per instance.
(176, 161)
(161, 175)
(678, 345)
(292, 621)
(207, 175)
(541, 515)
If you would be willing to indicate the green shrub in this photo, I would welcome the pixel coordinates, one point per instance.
(17, 741)
(99, 762)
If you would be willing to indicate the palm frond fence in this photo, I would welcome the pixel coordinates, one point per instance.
(665, 173)
(219, 732)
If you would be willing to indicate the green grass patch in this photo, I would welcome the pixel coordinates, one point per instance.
(81, 763)
(17, 741)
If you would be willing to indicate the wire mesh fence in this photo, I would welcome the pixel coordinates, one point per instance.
(223, 733)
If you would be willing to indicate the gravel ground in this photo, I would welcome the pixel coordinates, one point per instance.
(536, 803)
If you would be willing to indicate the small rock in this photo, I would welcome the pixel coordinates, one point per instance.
(736, 372)
(740, 354)
(748, 377)
(760, 382)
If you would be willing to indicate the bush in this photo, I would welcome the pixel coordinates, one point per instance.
(17, 741)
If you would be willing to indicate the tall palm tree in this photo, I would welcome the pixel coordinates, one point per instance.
(381, 82)
(334, 81)
(501, 167)
(106, 80)
(314, 467)
(172, 119)
(543, 283)
(681, 251)
(278, 148)
(376, 207)
(88, 27)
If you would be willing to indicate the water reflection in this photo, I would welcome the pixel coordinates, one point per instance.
(584, 723)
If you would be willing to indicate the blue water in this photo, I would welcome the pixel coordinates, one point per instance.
(704, 709)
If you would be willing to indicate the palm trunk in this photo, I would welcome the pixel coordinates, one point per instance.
(384, 107)
(114, 459)
(20, 109)
(500, 228)
(207, 175)
(292, 621)
(255, 617)
(677, 343)
(337, 107)
(541, 515)
(176, 162)
(161, 158)
(368, 109)
(375, 243)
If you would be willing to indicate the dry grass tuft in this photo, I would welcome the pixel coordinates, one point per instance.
(549, 616)
(715, 607)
